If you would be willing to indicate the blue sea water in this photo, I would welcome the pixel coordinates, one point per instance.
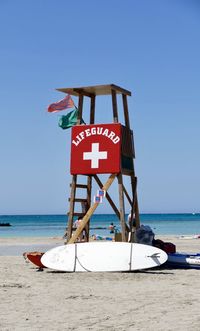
(55, 225)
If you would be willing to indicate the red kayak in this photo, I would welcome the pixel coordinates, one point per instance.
(35, 258)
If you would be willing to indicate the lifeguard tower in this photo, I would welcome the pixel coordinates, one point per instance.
(101, 149)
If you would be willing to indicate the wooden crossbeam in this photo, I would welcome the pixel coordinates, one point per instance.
(127, 195)
(107, 197)
(90, 211)
(110, 200)
(80, 186)
(78, 200)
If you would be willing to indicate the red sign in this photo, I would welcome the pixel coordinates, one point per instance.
(96, 149)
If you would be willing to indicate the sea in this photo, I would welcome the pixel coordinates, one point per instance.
(55, 225)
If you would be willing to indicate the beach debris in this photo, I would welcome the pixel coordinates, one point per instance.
(195, 236)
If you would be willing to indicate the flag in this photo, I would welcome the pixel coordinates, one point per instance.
(69, 120)
(101, 193)
(97, 199)
(65, 103)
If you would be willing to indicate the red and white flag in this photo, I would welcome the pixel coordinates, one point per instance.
(63, 104)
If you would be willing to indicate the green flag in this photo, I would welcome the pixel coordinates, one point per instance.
(69, 120)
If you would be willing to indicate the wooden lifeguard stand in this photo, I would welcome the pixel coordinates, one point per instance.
(127, 155)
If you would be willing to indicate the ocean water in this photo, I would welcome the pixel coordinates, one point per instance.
(55, 225)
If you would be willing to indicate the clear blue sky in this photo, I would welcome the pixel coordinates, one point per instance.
(149, 47)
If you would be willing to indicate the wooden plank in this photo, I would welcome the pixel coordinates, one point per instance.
(80, 109)
(127, 172)
(87, 206)
(114, 104)
(137, 215)
(135, 201)
(134, 187)
(90, 212)
(120, 90)
(80, 185)
(127, 195)
(94, 90)
(78, 200)
(122, 209)
(127, 142)
(92, 109)
(77, 214)
(71, 207)
(112, 204)
(108, 197)
(81, 91)
(126, 115)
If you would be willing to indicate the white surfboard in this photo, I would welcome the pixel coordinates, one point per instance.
(103, 256)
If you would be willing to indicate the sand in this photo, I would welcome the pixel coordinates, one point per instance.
(165, 299)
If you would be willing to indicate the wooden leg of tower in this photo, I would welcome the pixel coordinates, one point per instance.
(80, 109)
(89, 189)
(137, 217)
(71, 207)
(126, 116)
(135, 201)
(114, 103)
(92, 109)
(122, 209)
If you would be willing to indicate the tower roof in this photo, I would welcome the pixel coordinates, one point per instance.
(94, 90)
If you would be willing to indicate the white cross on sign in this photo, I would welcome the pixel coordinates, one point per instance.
(95, 155)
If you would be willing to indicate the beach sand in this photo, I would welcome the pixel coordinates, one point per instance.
(157, 299)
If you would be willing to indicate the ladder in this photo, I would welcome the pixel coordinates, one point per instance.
(85, 204)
